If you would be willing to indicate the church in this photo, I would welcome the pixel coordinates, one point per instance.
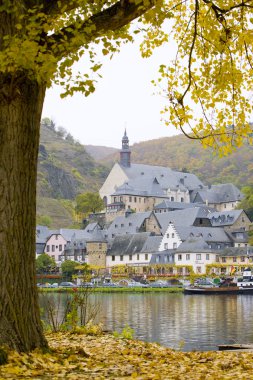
(139, 187)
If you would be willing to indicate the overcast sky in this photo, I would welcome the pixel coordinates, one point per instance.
(124, 97)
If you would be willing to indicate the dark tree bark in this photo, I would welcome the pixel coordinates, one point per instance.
(21, 101)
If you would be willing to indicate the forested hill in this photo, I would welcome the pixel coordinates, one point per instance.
(180, 153)
(64, 170)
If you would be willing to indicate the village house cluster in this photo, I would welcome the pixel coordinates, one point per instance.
(157, 222)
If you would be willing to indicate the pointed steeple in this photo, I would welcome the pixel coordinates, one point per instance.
(125, 152)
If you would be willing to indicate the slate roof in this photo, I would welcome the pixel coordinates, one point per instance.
(127, 225)
(209, 234)
(75, 244)
(239, 236)
(42, 233)
(146, 186)
(184, 217)
(70, 234)
(40, 248)
(194, 244)
(128, 244)
(224, 218)
(166, 204)
(236, 251)
(152, 244)
(167, 177)
(222, 193)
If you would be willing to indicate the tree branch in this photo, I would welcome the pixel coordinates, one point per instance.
(72, 37)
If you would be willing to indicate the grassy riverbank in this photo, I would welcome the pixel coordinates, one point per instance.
(113, 290)
(76, 356)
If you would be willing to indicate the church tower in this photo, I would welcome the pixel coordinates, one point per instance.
(125, 152)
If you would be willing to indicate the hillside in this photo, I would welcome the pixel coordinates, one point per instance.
(99, 152)
(64, 170)
(180, 153)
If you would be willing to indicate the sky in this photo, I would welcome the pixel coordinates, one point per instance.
(124, 98)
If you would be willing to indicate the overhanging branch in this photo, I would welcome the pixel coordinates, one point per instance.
(72, 37)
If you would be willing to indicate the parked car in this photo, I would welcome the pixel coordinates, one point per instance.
(54, 285)
(159, 284)
(67, 285)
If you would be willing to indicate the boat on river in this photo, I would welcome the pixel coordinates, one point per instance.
(227, 286)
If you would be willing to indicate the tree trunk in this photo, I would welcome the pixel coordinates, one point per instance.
(21, 101)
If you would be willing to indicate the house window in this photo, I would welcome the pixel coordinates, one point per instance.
(100, 246)
(172, 199)
(122, 225)
(219, 246)
(172, 235)
(225, 206)
(130, 257)
(135, 199)
(198, 256)
(121, 257)
(207, 256)
(234, 259)
(168, 235)
(217, 259)
(116, 226)
(242, 258)
(187, 256)
(115, 199)
(130, 199)
(113, 258)
(182, 199)
(130, 224)
(146, 256)
(157, 259)
(113, 235)
(223, 259)
(174, 245)
(121, 199)
(179, 257)
(138, 256)
(48, 248)
(56, 237)
(198, 270)
(165, 245)
(53, 248)
(60, 247)
(144, 200)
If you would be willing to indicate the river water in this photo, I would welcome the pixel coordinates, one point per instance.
(185, 322)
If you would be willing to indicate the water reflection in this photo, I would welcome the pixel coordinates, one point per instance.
(200, 322)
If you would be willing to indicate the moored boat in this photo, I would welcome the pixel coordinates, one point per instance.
(228, 286)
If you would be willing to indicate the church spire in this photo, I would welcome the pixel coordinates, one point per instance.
(125, 152)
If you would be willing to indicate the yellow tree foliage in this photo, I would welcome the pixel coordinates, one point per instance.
(208, 83)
